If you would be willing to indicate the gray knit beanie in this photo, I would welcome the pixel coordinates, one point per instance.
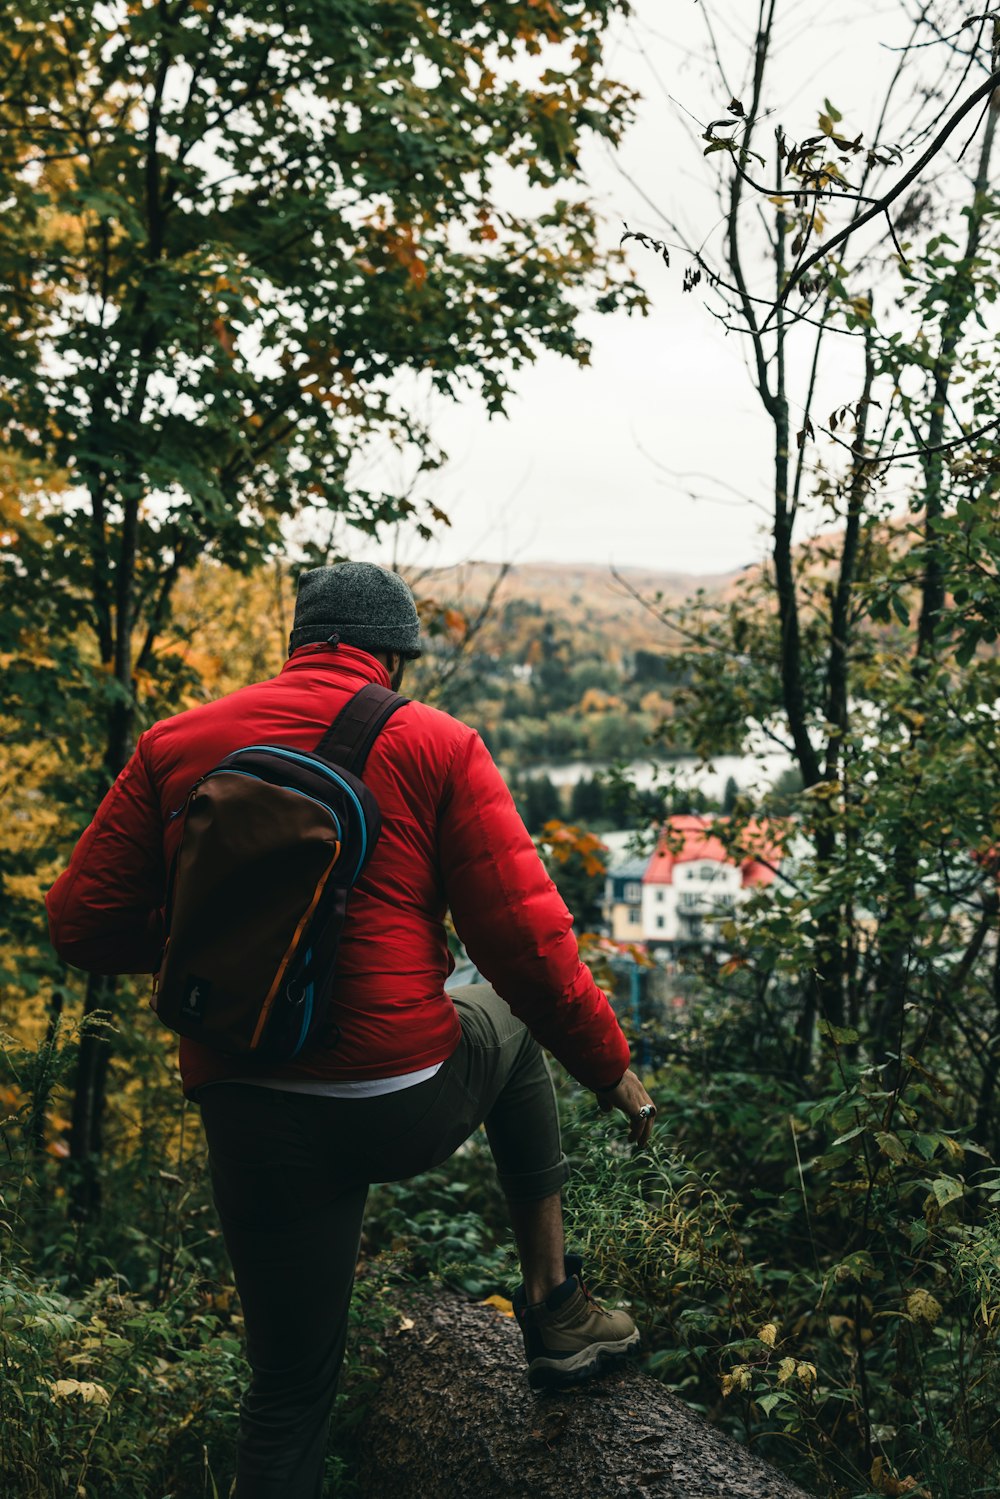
(358, 603)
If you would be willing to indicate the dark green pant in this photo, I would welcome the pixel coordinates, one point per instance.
(290, 1174)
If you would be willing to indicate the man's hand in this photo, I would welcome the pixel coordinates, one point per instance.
(633, 1100)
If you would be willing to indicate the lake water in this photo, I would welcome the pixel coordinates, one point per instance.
(750, 772)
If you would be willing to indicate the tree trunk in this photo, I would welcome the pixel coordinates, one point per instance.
(898, 951)
(86, 1128)
(455, 1416)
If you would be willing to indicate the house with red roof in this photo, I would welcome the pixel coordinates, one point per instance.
(690, 881)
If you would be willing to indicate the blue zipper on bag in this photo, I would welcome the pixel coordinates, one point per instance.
(315, 764)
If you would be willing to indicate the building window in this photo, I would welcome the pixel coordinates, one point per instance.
(661, 922)
(633, 894)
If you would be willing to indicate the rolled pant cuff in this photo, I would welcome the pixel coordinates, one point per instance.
(532, 1186)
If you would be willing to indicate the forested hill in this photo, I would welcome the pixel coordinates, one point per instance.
(588, 598)
(549, 661)
(557, 661)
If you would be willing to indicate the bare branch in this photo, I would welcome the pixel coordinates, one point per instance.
(984, 91)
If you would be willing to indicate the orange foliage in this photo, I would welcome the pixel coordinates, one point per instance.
(564, 841)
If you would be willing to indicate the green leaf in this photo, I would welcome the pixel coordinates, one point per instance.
(852, 1134)
(891, 1145)
(946, 1189)
(767, 1403)
(841, 1035)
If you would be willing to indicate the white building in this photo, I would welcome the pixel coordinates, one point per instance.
(687, 885)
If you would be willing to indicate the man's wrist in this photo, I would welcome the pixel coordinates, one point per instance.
(610, 1087)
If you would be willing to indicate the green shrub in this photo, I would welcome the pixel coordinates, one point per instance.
(106, 1397)
(818, 1274)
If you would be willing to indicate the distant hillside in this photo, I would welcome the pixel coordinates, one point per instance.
(584, 596)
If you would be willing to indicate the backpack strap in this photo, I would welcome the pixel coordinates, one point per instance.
(357, 726)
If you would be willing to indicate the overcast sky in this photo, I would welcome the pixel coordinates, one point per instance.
(576, 472)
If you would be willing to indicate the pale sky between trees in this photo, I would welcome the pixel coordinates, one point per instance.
(577, 471)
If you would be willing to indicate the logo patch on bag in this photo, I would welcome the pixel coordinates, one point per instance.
(195, 998)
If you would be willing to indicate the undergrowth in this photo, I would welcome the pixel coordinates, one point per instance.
(817, 1269)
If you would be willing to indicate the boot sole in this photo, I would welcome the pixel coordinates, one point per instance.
(589, 1363)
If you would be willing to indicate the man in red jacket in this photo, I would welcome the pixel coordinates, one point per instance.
(416, 1069)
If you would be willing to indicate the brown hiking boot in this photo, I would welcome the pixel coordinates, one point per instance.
(569, 1337)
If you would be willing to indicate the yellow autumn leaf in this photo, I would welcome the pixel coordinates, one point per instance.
(27, 887)
(89, 1393)
(501, 1303)
(768, 1333)
(884, 1481)
(739, 1378)
(923, 1307)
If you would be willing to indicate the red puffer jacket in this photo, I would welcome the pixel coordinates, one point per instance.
(451, 837)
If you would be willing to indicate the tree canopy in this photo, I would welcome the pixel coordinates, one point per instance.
(234, 233)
